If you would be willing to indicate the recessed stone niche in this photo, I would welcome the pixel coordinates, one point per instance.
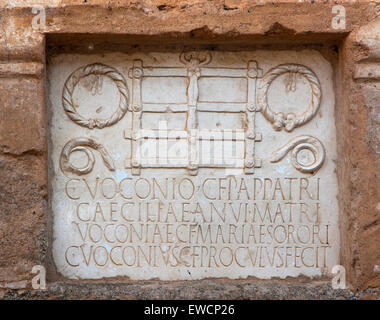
(192, 165)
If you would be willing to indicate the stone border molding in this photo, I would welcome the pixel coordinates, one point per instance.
(289, 121)
(95, 69)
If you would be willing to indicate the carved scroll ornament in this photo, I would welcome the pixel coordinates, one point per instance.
(85, 145)
(297, 144)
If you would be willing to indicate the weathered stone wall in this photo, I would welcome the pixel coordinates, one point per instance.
(101, 26)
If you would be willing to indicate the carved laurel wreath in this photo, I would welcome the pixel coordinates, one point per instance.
(290, 120)
(95, 69)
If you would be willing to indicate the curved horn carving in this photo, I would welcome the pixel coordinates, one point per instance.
(296, 145)
(85, 145)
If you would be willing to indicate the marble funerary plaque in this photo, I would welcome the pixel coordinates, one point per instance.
(190, 165)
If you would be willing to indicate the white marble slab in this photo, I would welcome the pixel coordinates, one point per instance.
(196, 165)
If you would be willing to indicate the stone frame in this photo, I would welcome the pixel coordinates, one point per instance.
(26, 221)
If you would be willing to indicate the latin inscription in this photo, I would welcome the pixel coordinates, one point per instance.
(192, 172)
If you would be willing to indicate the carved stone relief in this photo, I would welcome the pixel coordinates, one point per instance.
(290, 120)
(98, 70)
(192, 175)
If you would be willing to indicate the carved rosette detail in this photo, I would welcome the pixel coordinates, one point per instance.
(85, 145)
(297, 144)
(289, 121)
(97, 69)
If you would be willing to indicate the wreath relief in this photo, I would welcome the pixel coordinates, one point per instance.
(290, 120)
(97, 69)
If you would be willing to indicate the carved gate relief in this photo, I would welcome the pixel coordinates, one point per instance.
(193, 164)
(252, 99)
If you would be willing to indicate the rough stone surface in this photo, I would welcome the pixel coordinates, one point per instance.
(101, 26)
(205, 289)
(22, 115)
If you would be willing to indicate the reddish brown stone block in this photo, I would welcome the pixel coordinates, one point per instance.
(22, 115)
(23, 202)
